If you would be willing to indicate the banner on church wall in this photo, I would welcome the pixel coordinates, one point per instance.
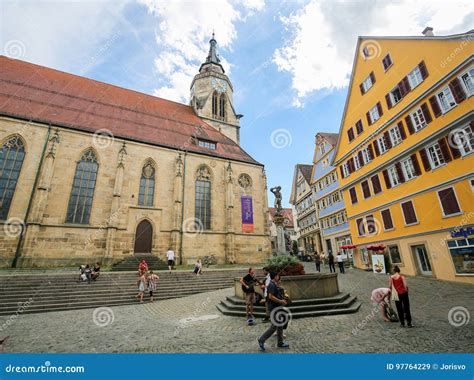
(247, 213)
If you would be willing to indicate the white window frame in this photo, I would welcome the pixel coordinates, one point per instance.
(392, 97)
(438, 159)
(464, 139)
(356, 162)
(441, 204)
(470, 73)
(366, 155)
(408, 168)
(381, 143)
(374, 114)
(367, 84)
(418, 119)
(415, 77)
(448, 96)
(395, 136)
(345, 169)
(393, 176)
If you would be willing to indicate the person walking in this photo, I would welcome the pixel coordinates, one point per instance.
(317, 261)
(170, 258)
(340, 262)
(265, 293)
(275, 300)
(141, 286)
(381, 296)
(399, 285)
(142, 267)
(152, 278)
(332, 268)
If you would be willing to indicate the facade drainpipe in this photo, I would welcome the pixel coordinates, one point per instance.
(24, 226)
(182, 212)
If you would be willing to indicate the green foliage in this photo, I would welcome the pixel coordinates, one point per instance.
(285, 265)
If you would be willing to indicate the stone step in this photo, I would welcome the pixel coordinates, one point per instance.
(341, 297)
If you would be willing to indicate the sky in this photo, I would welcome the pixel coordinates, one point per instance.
(289, 61)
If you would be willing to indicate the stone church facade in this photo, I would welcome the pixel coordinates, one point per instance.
(91, 171)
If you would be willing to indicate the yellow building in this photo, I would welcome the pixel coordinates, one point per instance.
(405, 153)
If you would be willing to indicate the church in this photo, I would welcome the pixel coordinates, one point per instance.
(94, 172)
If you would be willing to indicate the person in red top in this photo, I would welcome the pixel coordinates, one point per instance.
(403, 304)
(142, 267)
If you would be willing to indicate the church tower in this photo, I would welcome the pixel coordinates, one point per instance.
(211, 95)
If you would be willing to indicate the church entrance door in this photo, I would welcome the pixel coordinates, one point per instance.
(143, 237)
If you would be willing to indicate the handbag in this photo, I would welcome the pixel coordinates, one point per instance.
(394, 293)
(391, 313)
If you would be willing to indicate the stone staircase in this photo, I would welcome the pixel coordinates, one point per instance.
(131, 263)
(343, 303)
(35, 293)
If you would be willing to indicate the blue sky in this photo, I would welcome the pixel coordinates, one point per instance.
(289, 61)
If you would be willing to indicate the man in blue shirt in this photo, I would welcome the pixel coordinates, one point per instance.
(275, 303)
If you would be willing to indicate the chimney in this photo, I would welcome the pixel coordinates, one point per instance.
(428, 32)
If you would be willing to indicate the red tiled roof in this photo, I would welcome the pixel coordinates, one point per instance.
(306, 170)
(287, 213)
(41, 94)
(331, 138)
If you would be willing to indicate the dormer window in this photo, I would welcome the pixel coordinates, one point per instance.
(207, 144)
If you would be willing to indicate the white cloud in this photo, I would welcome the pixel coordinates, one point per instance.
(71, 36)
(183, 31)
(319, 51)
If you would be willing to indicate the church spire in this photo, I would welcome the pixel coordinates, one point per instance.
(212, 57)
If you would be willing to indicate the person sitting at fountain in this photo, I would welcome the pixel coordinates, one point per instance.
(198, 267)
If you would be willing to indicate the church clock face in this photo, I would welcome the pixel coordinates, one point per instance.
(219, 85)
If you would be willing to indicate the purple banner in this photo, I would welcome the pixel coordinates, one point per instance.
(247, 213)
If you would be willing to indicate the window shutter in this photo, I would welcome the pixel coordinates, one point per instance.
(453, 147)
(361, 161)
(342, 172)
(409, 124)
(416, 165)
(457, 90)
(426, 113)
(406, 85)
(388, 100)
(353, 194)
(387, 219)
(362, 91)
(359, 127)
(387, 179)
(401, 130)
(371, 152)
(365, 189)
(360, 226)
(425, 160)
(388, 142)
(444, 149)
(350, 134)
(398, 168)
(376, 148)
(423, 70)
(369, 120)
(448, 201)
(376, 184)
(409, 212)
(372, 77)
(435, 106)
(379, 108)
(350, 163)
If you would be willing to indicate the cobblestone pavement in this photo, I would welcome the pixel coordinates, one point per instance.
(193, 324)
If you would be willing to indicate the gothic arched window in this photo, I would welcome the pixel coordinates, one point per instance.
(11, 160)
(222, 106)
(203, 199)
(147, 185)
(214, 104)
(82, 193)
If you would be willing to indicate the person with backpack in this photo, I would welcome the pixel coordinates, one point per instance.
(332, 268)
(398, 284)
